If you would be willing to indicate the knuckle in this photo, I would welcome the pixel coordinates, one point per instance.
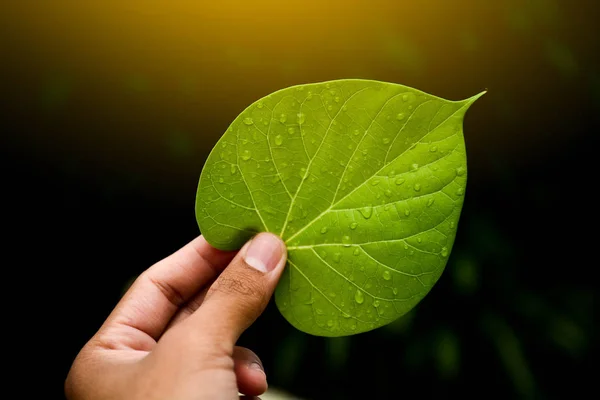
(242, 283)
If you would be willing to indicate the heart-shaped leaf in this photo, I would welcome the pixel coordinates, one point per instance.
(364, 180)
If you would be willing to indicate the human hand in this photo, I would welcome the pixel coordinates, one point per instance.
(173, 334)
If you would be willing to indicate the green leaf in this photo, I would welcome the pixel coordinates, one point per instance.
(364, 180)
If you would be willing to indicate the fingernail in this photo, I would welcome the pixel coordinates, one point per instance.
(264, 252)
(257, 366)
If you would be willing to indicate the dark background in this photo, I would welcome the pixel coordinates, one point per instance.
(109, 111)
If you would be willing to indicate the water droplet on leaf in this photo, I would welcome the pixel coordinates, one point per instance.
(444, 252)
(248, 121)
(367, 211)
(358, 297)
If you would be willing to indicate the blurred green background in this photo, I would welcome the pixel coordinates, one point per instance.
(109, 110)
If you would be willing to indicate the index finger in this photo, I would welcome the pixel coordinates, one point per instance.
(157, 294)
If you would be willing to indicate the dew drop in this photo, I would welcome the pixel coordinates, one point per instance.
(291, 131)
(386, 140)
(356, 132)
(221, 180)
(330, 323)
(460, 171)
(395, 291)
(388, 193)
(375, 182)
(430, 202)
(414, 167)
(399, 181)
(419, 240)
(319, 311)
(433, 149)
(344, 107)
(346, 241)
(282, 118)
(336, 99)
(246, 155)
(358, 297)
(353, 225)
(353, 327)
(345, 315)
(367, 211)
(232, 169)
(407, 212)
(260, 104)
(301, 118)
(248, 121)
(330, 107)
(386, 275)
(452, 225)
(232, 206)
(400, 116)
(417, 187)
(337, 257)
(324, 230)
(356, 251)
(460, 192)
(278, 140)
(405, 97)
(309, 96)
(444, 252)
(376, 303)
(224, 144)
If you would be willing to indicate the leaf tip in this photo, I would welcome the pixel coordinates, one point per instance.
(472, 99)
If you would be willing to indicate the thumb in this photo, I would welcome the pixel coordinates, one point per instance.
(242, 291)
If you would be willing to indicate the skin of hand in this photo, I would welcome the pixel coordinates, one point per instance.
(173, 334)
